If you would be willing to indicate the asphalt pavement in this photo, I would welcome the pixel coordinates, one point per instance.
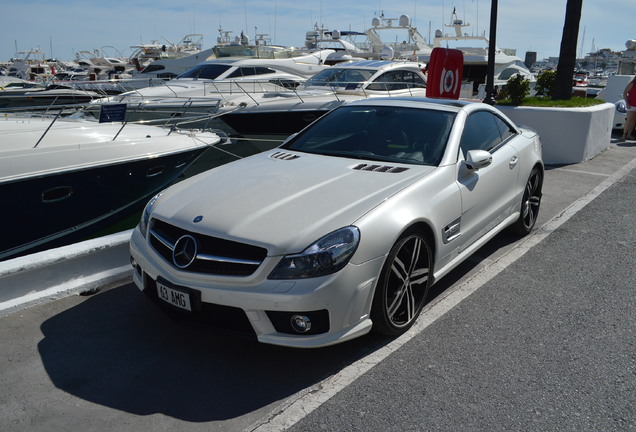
(540, 337)
(549, 344)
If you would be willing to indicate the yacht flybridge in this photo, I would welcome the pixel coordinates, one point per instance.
(475, 50)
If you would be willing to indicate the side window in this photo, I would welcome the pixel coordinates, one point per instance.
(504, 128)
(507, 73)
(481, 132)
(263, 70)
(392, 80)
(414, 80)
(242, 71)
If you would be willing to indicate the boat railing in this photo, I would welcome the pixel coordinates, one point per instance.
(374, 89)
(195, 110)
(46, 110)
(62, 112)
(110, 87)
(221, 97)
(260, 91)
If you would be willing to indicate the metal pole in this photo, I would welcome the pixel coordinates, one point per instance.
(490, 78)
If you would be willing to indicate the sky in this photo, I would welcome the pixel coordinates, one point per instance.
(64, 27)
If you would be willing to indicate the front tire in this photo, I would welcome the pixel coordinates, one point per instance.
(530, 203)
(403, 285)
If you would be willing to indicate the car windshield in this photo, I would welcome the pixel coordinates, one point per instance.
(383, 133)
(340, 77)
(205, 71)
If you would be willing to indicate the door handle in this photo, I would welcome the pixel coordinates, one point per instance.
(513, 162)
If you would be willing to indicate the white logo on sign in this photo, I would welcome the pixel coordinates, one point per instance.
(449, 81)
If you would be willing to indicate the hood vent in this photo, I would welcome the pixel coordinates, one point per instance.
(380, 168)
(284, 156)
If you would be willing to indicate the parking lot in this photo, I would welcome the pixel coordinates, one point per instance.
(527, 335)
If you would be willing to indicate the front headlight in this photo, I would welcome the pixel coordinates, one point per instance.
(620, 106)
(327, 255)
(145, 216)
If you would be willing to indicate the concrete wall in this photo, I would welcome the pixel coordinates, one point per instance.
(568, 135)
(74, 269)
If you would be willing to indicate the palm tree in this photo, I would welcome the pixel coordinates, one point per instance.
(567, 55)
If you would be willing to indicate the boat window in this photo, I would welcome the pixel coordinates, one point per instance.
(396, 80)
(285, 83)
(382, 133)
(508, 73)
(153, 68)
(250, 71)
(340, 77)
(205, 71)
(263, 70)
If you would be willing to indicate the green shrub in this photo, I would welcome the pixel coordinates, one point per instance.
(517, 89)
(545, 83)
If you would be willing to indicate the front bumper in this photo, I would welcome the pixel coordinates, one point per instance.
(338, 305)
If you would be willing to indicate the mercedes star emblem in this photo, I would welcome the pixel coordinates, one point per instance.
(185, 251)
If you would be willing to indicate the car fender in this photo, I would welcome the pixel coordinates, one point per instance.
(433, 200)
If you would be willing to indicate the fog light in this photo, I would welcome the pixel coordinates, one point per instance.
(301, 323)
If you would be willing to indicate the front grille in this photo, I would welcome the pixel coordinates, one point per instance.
(214, 255)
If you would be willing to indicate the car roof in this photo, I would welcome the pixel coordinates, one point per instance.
(418, 102)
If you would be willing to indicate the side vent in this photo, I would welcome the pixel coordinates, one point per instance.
(380, 168)
(284, 156)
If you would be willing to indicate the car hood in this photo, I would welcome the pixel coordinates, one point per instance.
(280, 200)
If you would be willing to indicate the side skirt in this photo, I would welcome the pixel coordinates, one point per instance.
(439, 273)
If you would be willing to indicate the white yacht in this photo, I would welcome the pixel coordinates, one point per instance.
(408, 43)
(475, 49)
(203, 88)
(62, 180)
(30, 65)
(286, 111)
(144, 54)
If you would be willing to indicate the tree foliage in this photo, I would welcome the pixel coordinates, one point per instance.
(545, 83)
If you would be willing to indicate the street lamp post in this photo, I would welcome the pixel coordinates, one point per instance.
(490, 78)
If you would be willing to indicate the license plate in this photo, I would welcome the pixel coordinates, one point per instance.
(175, 297)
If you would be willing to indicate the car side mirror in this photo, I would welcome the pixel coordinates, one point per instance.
(478, 159)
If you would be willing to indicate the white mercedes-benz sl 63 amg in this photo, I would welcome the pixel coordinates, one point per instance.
(342, 229)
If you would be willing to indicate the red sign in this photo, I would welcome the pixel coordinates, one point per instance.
(445, 73)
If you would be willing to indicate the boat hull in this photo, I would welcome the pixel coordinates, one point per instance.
(45, 211)
(281, 123)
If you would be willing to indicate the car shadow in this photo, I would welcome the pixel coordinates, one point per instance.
(118, 350)
(501, 241)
